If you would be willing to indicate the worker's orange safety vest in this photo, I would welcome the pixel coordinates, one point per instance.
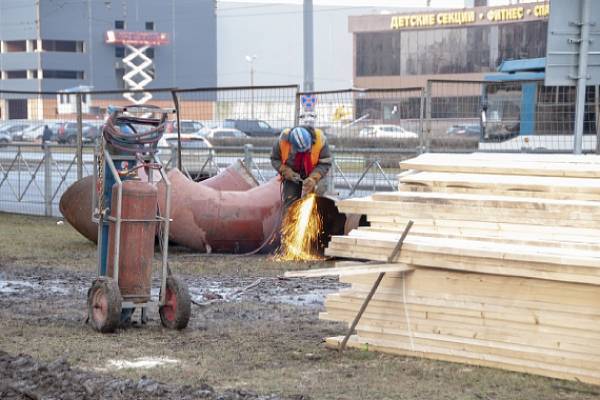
(285, 147)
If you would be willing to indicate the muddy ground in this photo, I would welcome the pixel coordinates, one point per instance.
(263, 343)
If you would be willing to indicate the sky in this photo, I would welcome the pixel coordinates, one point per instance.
(376, 3)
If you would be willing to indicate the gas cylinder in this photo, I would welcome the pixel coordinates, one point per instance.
(139, 203)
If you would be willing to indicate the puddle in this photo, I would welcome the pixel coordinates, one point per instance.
(52, 286)
(201, 290)
(138, 363)
(313, 299)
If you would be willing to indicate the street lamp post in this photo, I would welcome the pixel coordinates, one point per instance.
(250, 60)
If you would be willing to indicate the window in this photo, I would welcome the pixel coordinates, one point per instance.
(378, 53)
(65, 46)
(521, 41)
(119, 24)
(15, 46)
(16, 74)
(120, 52)
(149, 25)
(150, 52)
(119, 73)
(61, 74)
(447, 50)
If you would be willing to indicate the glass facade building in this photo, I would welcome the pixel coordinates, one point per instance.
(465, 43)
(447, 50)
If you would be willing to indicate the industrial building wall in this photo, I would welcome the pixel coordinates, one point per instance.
(189, 60)
(17, 22)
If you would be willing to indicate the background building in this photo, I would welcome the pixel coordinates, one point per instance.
(405, 50)
(273, 33)
(58, 45)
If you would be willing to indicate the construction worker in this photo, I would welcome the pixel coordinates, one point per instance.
(302, 158)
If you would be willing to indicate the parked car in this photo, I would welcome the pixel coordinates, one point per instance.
(188, 127)
(252, 127)
(387, 131)
(67, 132)
(5, 139)
(32, 133)
(196, 157)
(465, 130)
(15, 131)
(225, 133)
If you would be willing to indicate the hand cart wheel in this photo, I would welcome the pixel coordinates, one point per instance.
(104, 305)
(175, 313)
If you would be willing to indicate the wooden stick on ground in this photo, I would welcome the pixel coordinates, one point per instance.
(363, 307)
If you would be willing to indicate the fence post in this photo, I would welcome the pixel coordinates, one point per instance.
(47, 181)
(297, 109)
(331, 174)
(248, 156)
(428, 94)
(421, 148)
(597, 112)
(176, 103)
(79, 137)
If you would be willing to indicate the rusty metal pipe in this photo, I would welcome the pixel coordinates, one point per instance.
(221, 221)
(76, 203)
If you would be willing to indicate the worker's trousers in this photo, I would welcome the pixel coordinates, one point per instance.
(292, 191)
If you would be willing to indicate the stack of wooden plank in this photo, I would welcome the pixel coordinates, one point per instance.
(501, 267)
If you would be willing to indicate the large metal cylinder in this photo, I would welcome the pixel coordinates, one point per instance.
(222, 221)
(136, 253)
(76, 203)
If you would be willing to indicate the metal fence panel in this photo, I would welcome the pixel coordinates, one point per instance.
(518, 116)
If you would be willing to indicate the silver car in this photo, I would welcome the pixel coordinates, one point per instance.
(197, 159)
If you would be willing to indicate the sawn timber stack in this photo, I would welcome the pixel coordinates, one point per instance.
(501, 267)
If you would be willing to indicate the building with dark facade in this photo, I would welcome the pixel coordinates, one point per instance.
(405, 50)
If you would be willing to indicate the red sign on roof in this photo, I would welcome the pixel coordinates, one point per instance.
(137, 38)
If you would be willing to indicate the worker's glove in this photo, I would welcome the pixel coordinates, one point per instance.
(309, 184)
(289, 174)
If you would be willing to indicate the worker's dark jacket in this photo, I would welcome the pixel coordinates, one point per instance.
(322, 166)
(291, 191)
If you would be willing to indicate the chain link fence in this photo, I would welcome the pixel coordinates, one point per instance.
(507, 116)
(369, 131)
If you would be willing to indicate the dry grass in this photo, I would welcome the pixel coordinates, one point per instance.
(254, 344)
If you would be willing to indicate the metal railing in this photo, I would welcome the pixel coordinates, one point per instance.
(369, 130)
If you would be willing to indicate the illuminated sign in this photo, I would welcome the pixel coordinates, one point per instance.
(457, 18)
(137, 38)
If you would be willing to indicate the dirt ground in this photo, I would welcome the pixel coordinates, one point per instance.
(263, 344)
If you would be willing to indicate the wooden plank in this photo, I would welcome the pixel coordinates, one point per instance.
(473, 249)
(394, 310)
(509, 182)
(499, 269)
(471, 211)
(410, 187)
(522, 354)
(477, 200)
(516, 238)
(558, 237)
(462, 357)
(360, 269)
(460, 164)
(342, 314)
(534, 293)
(547, 339)
(524, 157)
(517, 347)
(505, 183)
